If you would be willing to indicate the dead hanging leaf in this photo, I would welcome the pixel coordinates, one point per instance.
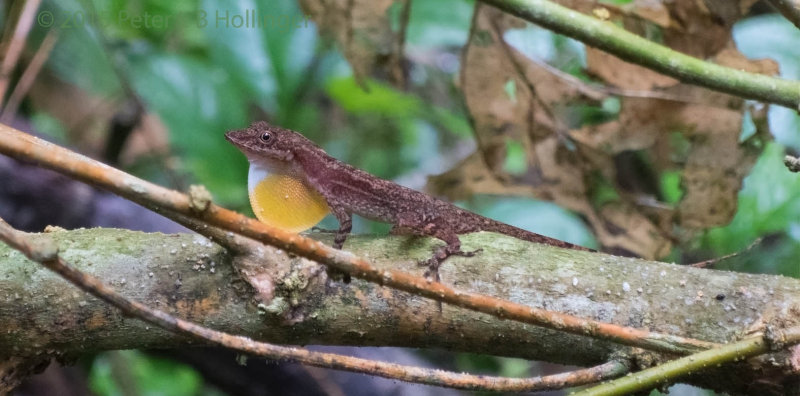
(523, 102)
(515, 99)
(510, 102)
(619, 73)
(731, 57)
(500, 102)
(715, 169)
(363, 29)
(715, 163)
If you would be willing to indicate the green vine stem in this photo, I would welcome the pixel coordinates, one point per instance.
(635, 49)
(774, 339)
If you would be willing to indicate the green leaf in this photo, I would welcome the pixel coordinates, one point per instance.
(77, 57)
(510, 87)
(240, 49)
(152, 376)
(671, 186)
(49, 126)
(516, 162)
(198, 103)
(379, 99)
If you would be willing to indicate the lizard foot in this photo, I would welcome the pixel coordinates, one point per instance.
(432, 265)
(440, 256)
(466, 254)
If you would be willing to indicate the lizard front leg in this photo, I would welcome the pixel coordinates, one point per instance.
(345, 226)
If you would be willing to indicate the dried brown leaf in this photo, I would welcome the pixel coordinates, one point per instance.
(520, 101)
(614, 71)
(364, 32)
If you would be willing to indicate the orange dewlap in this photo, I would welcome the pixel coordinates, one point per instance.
(284, 201)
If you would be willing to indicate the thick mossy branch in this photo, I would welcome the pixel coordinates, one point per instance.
(192, 278)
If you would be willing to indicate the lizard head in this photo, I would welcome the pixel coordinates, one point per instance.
(279, 193)
(262, 141)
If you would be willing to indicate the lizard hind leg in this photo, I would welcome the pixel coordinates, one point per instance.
(452, 248)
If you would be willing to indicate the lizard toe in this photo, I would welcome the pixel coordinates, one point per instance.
(466, 254)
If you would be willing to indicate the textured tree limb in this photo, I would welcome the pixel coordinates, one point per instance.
(14, 370)
(46, 252)
(23, 146)
(635, 49)
(716, 260)
(43, 313)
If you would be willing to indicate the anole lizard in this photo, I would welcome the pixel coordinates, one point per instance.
(293, 183)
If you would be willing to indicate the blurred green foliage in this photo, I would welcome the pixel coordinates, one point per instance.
(115, 373)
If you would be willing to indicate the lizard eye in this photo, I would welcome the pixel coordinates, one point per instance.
(266, 137)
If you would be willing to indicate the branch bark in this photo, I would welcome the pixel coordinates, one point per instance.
(174, 273)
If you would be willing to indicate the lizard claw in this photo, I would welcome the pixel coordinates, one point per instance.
(440, 256)
(432, 265)
(432, 273)
(466, 254)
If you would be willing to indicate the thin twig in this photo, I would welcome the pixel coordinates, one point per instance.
(45, 252)
(28, 77)
(26, 147)
(670, 371)
(397, 72)
(235, 243)
(715, 260)
(790, 10)
(599, 91)
(635, 49)
(16, 43)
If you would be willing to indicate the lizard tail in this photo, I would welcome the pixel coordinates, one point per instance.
(519, 233)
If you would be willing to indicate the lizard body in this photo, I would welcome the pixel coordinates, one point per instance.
(347, 190)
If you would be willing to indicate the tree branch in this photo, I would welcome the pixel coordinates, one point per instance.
(635, 49)
(43, 313)
(46, 252)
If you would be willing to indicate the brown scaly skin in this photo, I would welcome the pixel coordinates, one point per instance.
(349, 191)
